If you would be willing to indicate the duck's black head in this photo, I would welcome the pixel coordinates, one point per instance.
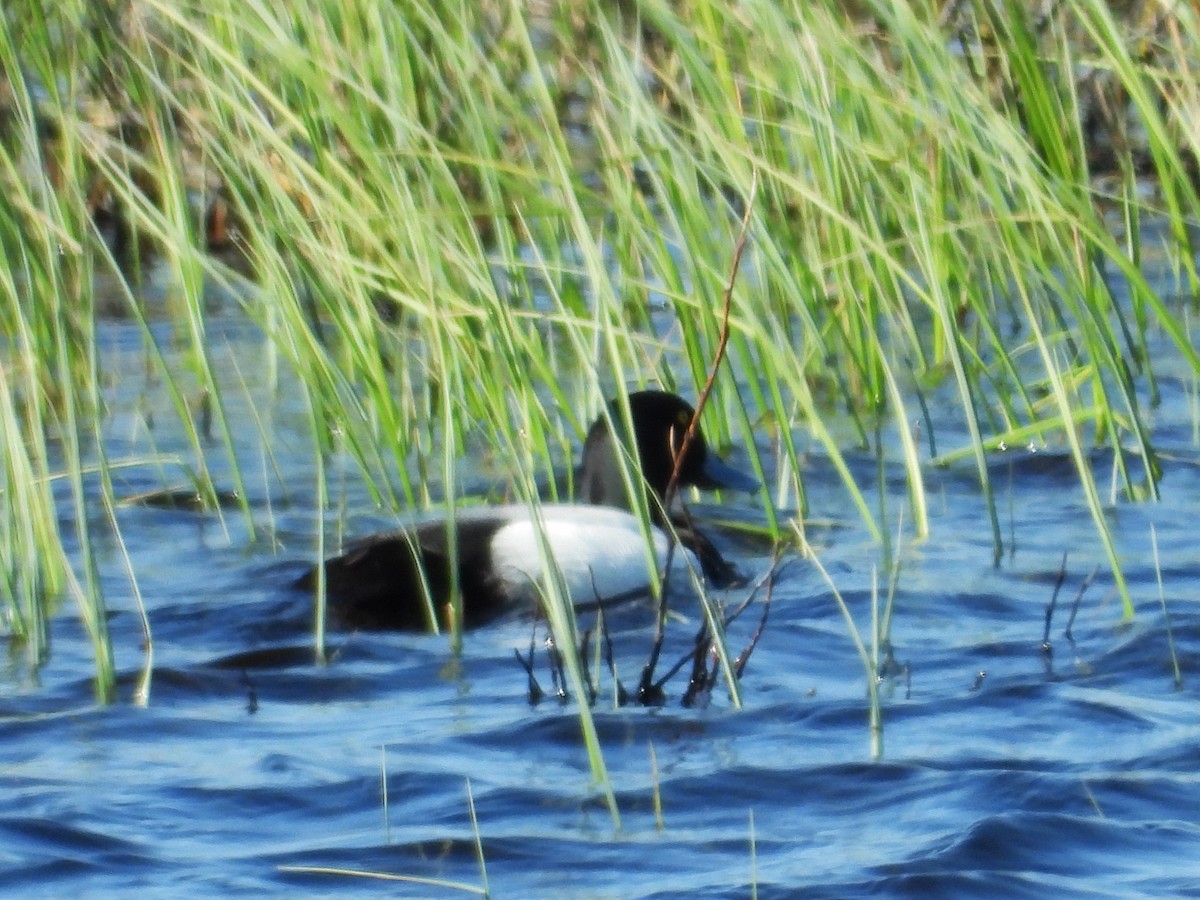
(660, 421)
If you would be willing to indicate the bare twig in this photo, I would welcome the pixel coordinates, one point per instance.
(739, 666)
(699, 688)
(1062, 574)
(622, 695)
(588, 682)
(701, 639)
(1087, 582)
(722, 343)
(557, 673)
(535, 690)
(648, 691)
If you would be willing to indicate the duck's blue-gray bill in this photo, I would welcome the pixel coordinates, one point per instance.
(719, 474)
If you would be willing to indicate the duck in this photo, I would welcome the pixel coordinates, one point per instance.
(380, 582)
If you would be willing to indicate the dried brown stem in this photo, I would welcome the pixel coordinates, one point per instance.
(648, 692)
(722, 342)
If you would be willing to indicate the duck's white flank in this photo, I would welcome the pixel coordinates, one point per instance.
(599, 550)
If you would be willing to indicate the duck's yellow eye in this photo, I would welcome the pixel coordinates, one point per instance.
(683, 418)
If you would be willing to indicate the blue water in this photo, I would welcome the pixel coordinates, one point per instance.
(1005, 769)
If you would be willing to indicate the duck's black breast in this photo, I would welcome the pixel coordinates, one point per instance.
(719, 572)
(376, 584)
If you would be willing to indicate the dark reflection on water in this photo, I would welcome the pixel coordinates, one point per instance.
(1005, 771)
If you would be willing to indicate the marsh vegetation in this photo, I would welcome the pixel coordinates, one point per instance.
(459, 227)
(276, 273)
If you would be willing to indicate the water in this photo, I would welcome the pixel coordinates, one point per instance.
(1005, 769)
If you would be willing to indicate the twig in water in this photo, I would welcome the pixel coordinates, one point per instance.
(766, 581)
(602, 622)
(648, 692)
(739, 666)
(588, 683)
(557, 672)
(251, 693)
(701, 639)
(1062, 574)
(699, 689)
(535, 690)
(1087, 582)
(622, 696)
(889, 667)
